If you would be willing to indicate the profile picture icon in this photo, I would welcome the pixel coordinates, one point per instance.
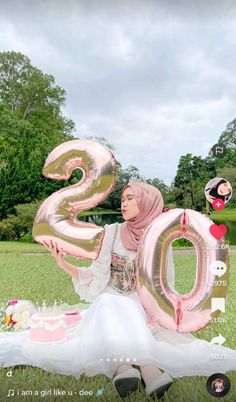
(218, 188)
(218, 385)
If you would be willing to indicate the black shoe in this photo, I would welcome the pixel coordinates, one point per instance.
(127, 382)
(160, 386)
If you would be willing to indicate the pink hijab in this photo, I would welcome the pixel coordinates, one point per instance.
(150, 204)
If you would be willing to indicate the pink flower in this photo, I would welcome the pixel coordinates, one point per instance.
(12, 302)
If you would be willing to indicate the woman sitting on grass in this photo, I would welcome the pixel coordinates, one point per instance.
(116, 339)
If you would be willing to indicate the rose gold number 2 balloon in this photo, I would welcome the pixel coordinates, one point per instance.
(192, 311)
(56, 217)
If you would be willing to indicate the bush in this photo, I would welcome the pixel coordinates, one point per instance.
(15, 227)
(182, 243)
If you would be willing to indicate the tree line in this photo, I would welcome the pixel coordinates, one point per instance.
(32, 125)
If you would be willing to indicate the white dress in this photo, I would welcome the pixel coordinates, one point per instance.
(114, 330)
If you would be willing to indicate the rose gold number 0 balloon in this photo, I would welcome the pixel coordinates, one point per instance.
(192, 311)
(56, 217)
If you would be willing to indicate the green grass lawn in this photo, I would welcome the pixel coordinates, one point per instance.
(224, 214)
(37, 277)
(15, 247)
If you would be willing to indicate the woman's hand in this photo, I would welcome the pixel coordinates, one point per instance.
(57, 253)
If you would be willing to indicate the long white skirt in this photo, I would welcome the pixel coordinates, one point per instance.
(113, 331)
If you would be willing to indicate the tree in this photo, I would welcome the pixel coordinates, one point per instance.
(164, 189)
(228, 138)
(189, 183)
(31, 126)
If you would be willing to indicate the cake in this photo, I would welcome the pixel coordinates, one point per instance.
(72, 318)
(47, 327)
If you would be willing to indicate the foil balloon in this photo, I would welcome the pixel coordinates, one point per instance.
(56, 218)
(192, 311)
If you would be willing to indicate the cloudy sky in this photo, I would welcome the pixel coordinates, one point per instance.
(157, 79)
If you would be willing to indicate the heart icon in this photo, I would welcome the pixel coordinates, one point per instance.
(218, 231)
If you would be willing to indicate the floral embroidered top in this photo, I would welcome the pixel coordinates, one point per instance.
(123, 277)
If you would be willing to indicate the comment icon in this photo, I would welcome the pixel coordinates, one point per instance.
(218, 268)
